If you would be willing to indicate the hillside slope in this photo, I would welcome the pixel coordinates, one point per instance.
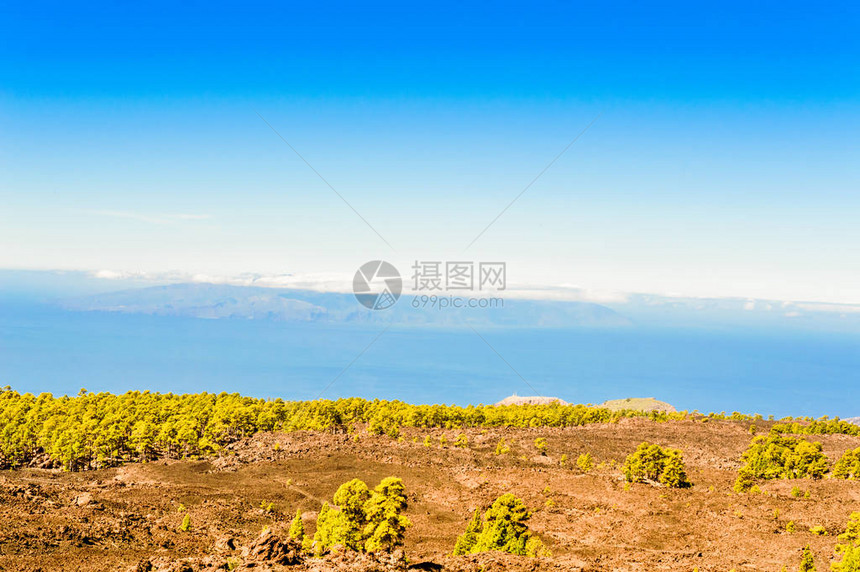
(128, 518)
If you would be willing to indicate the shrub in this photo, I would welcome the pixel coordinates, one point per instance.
(503, 528)
(745, 481)
(186, 523)
(297, 527)
(656, 464)
(462, 441)
(540, 445)
(428, 441)
(818, 530)
(584, 462)
(790, 527)
(848, 467)
(796, 492)
(502, 447)
(563, 461)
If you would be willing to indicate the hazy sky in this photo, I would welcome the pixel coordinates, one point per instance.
(724, 161)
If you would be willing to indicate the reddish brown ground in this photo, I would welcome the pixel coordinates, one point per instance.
(122, 518)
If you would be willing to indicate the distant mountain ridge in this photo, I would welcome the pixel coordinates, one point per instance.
(220, 301)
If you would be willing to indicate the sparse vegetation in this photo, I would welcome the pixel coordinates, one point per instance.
(656, 464)
(575, 511)
(185, 526)
(540, 445)
(96, 430)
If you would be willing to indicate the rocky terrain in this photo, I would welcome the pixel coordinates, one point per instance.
(240, 505)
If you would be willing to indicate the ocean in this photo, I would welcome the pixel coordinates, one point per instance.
(46, 349)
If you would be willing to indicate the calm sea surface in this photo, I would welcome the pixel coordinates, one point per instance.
(45, 349)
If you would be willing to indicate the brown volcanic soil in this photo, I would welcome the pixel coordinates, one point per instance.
(127, 518)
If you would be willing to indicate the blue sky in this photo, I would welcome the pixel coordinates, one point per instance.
(724, 161)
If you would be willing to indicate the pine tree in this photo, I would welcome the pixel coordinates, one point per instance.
(297, 527)
(385, 526)
(807, 561)
(654, 463)
(504, 528)
(467, 540)
(350, 497)
(323, 534)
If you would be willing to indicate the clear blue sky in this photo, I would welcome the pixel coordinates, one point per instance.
(724, 161)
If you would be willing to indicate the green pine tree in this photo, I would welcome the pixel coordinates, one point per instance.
(807, 561)
(297, 527)
(467, 540)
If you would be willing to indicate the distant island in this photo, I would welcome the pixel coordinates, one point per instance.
(638, 404)
(530, 400)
